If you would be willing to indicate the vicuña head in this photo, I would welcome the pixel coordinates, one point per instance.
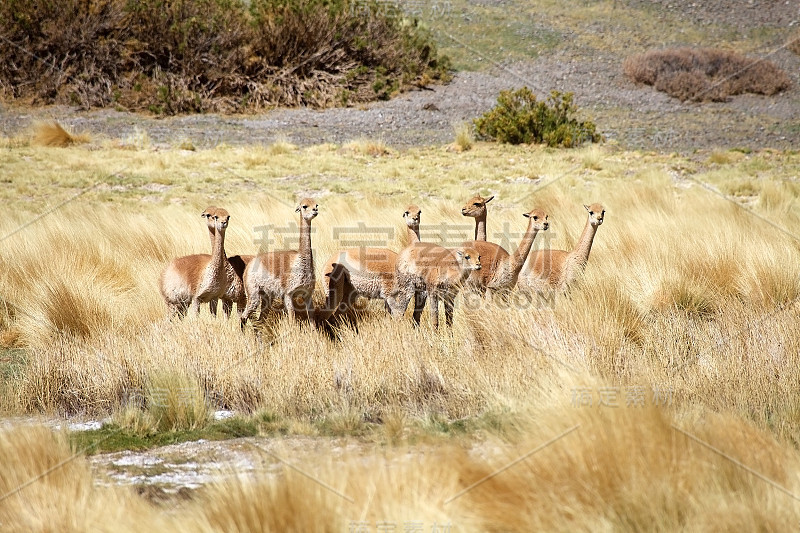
(596, 213)
(476, 208)
(207, 214)
(412, 216)
(469, 259)
(307, 208)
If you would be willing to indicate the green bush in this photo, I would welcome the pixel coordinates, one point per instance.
(179, 56)
(519, 118)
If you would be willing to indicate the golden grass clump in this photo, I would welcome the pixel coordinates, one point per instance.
(47, 487)
(371, 147)
(464, 138)
(53, 134)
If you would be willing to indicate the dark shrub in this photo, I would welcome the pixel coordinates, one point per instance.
(175, 56)
(519, 118)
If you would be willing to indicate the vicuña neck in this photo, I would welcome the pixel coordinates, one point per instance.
(524, 248)
(480, 228)
(213, 236)
(305, 237)
(413, 234)
(218, 256)
(584, 246)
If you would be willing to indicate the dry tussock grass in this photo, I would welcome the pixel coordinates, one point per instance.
(684, 292)
(614, 469)
(54, 134)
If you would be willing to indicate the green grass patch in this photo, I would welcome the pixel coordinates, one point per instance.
(113, 438)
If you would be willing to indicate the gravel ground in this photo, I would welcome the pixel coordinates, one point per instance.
(634, 116)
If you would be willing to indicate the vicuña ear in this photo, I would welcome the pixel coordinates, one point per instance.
(488, 199)
(526, 215)
(586, 206)
(460, 254)
(297, 210)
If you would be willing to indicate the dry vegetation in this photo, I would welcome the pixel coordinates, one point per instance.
(620, 470)
(686, 294)
(794, 43)
(705, 74)
(179, 56)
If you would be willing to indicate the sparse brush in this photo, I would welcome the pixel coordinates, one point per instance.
(519, 118)
(211, 55)
(794, 43)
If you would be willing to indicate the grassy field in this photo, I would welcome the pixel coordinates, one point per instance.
(584, 28)
(674, 363)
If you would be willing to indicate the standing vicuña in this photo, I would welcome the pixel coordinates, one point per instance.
(549, 270)
(505, 272)
(287, 275)
(426, 270)
(194, 279)
(366, 272)
(492, 255)
(234, 270)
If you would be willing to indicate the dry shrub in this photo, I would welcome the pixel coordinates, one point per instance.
(179, 56)
(703, 74)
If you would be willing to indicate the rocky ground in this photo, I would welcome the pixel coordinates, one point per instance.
(634, 116)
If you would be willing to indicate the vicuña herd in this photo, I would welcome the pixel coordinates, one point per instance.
(421, 271)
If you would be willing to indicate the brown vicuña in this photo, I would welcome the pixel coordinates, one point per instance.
(492, 255)
(425, 271)
(366, 272)
(506, 271)
(194, 279)
(234, 272)
(287, 274)
(549, 270)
